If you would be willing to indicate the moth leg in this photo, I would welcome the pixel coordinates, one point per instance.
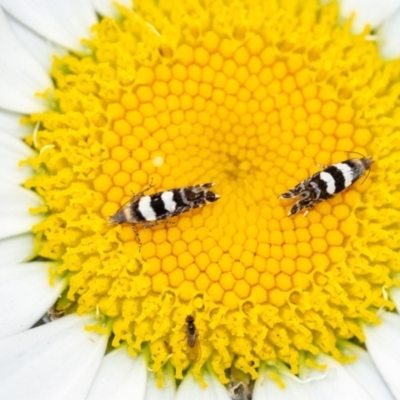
(296, 208)
(289, 194)
(299, 206)
(151, 184)
(295, 191)
(150, 224)
(307, 203)
(155, 223)
(138, 236)
(170, 222)
(137, 197)
(305, 199)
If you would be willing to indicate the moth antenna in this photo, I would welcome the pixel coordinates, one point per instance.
(369, 171)
(355, 152)
(362, 155)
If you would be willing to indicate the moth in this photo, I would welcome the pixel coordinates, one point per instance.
(327, 183)
(149, 210)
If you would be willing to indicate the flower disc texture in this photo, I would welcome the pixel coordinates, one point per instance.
(252, 95)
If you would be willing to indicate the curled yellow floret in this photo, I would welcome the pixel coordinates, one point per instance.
(252, 95)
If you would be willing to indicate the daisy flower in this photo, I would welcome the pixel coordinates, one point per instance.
(99, 100)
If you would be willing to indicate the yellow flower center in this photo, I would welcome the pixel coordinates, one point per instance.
(252, 96)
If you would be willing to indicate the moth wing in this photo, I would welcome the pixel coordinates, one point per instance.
(133, 199)
(302, 204)
(295, 191)
(296, 208)
(287, 195)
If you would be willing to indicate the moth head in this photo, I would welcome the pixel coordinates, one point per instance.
(200, 192)
(211, 197)
(367, 162)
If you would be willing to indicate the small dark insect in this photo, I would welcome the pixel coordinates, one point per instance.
(192, 339)
(148, 210)
(191, 331)
(241, 390)
(54, 314)
(327, 183)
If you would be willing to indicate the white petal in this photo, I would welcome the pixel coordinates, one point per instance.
(394, 294)
(12, 151)
(10, 123)
(167, 392)
(383, 344)
(15, 203)
(191, 389)
(366, 373)
(54, 361)
(335, 379)
(105, 7)
(389, 37)
(266, 389)
(62, 22)
(41, 49)
(25, 295)
(120, 377)
(21, 76)
(368, 12)
(16, 249)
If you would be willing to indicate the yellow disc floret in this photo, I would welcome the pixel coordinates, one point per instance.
(252, 95)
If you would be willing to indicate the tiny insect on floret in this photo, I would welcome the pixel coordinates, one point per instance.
(327, 183)
(190, 331)
(194, 349)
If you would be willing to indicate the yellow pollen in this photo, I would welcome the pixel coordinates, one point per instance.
(254, 96)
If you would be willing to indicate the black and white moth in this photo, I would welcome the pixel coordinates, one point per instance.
(327, 183)
(148, 210)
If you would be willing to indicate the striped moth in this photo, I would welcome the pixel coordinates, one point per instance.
(148, 210)
(327, 183)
